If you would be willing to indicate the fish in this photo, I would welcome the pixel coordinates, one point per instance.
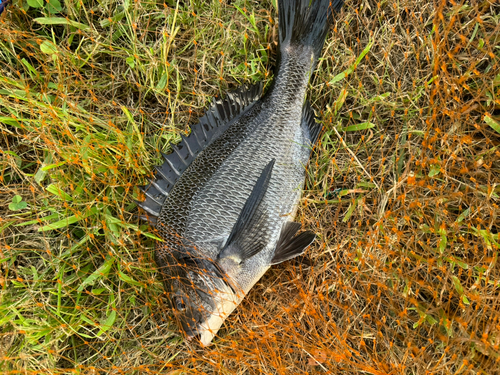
(224, 200)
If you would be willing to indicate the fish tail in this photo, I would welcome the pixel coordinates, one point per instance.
(302, 23)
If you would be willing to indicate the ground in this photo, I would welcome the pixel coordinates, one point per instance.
(402, 190)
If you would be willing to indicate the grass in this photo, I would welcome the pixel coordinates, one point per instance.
(403, 189)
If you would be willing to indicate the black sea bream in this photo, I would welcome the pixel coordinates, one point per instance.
(224, 200)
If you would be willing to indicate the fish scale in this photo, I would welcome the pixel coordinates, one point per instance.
(224, 200)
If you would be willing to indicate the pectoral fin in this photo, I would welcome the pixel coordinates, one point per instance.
(246, 238)
(291, 245)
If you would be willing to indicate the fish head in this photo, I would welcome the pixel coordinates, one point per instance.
(189, 314)
(202, 297)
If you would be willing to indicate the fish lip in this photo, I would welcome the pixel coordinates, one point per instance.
(192, 336)
(202, 338)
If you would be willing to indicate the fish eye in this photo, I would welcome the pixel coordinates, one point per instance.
(179, 303)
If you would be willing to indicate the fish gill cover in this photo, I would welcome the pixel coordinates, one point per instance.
(402, 189)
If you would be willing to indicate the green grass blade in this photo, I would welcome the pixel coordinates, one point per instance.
(61, 21)
(99, 273)
(339, 77)
(68, 221)
(358, 127)
(495, 125)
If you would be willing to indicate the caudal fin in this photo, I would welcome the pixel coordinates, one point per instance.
(304, 23)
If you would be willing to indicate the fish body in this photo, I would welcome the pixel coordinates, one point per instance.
(224, 200)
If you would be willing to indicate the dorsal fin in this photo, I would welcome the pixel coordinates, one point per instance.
(214, 122)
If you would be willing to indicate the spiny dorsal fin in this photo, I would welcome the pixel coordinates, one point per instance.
(214, 122)
(291, 245)
(246, 238)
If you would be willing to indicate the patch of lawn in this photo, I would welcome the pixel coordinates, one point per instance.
(402, 190)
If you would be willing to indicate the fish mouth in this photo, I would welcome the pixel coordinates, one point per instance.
(210, 303)
(189, 326)
(226, 301)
